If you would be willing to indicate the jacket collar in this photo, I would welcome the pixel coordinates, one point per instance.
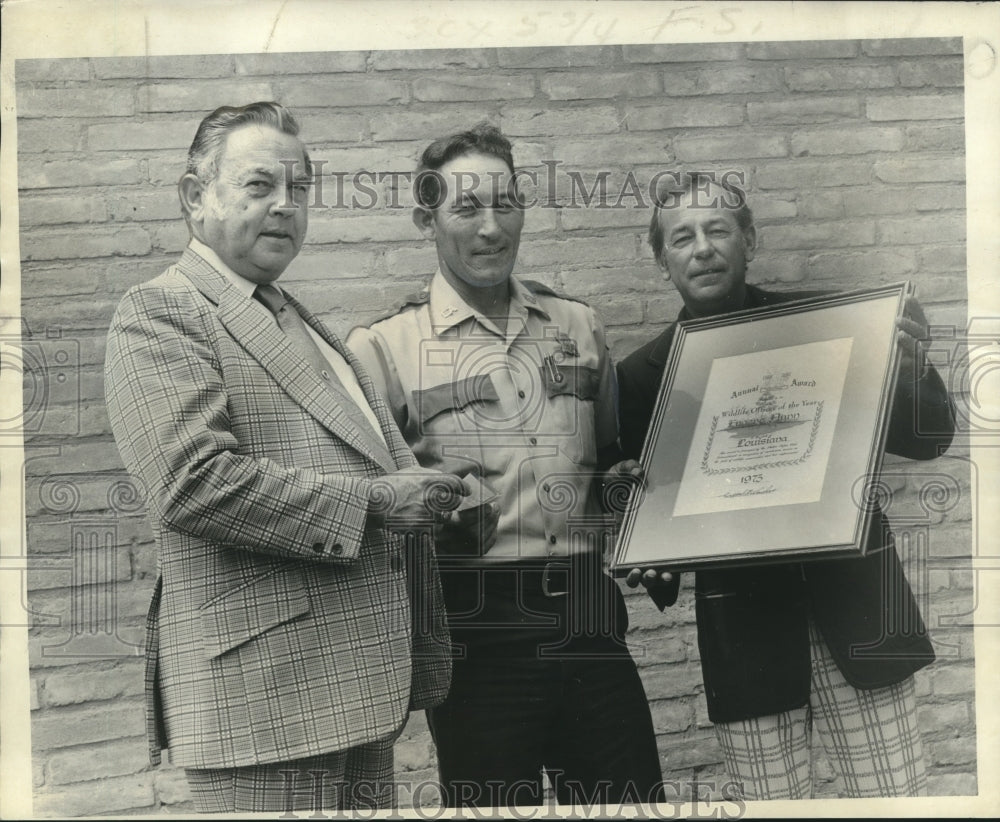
(660, 349)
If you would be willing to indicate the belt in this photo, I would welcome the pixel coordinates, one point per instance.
(553, 579)
(549, 579)
(520, 608)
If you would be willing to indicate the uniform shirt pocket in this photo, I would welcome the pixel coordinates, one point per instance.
(571, 391)
(581, 381)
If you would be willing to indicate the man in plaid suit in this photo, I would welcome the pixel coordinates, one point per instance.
(297, 614)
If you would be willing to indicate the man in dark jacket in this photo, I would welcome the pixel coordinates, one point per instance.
(791, 646)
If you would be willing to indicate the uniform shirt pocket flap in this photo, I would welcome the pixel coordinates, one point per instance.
(429, 402)
(249, 610)
(580, 380)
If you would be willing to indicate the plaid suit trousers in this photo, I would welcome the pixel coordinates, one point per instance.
(359, 778)
(871, 737)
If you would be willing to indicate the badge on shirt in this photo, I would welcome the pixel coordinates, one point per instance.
(567, 346)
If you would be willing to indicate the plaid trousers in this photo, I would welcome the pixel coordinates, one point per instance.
(871, 736)
(359, 778)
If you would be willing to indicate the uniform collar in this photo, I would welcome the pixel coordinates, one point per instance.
(448, 309)
(524, 297)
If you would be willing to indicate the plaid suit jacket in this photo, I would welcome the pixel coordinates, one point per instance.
(282, 625)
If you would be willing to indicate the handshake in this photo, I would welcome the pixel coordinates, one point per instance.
(461, 511)
(464, 513)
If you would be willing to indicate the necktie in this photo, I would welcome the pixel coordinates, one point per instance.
(297, 332)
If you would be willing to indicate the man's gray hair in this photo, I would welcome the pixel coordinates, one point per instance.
(203, 156)
(669, 186)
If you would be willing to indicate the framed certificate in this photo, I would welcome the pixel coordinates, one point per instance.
(767, 435)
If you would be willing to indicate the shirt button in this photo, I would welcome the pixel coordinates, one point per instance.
(552, 539)
(338, 548)
(533, 440)
(318, 547)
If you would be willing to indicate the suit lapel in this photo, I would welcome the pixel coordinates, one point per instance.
(266, 343)
(657, 356)
(401, 453)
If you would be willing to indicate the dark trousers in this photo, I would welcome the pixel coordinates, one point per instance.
(542, 682)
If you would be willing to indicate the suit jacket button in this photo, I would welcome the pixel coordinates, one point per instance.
(397, 562)
(318, 547)
(338, 548)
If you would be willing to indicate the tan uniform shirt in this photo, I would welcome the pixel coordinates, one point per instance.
(526, 411)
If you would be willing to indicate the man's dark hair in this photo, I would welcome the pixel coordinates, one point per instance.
(482, 138)
(203, 156)
(674, 184)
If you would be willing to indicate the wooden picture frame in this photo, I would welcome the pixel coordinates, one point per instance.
(767, 435)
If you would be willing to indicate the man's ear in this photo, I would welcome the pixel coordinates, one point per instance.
(191, 190)
(662, 265)
(423, 219)
(750, 241)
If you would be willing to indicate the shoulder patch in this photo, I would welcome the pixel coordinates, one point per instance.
(418, 298)
(536, 287)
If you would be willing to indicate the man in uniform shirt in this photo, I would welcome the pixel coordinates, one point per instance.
(504, 381)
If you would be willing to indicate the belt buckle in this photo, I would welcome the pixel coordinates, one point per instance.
(545, 579)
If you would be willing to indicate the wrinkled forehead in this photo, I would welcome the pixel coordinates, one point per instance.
(479, 176)
(255, 147)
(708, 202)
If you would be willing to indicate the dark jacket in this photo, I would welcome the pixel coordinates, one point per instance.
(753, 620)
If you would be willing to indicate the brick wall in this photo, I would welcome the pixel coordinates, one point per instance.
(853, 153)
